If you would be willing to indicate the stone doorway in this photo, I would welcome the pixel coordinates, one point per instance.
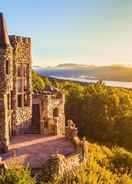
(35, 126)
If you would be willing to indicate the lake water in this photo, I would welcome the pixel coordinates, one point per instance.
(79, 76)
(108, 83)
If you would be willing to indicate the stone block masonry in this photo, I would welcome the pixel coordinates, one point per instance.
(22, 80)
(60, 165)
(15, 85)
(6, 86)
(16, 115)
(52, 116)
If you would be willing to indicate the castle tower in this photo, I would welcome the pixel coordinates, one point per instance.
(22, 84)
(6, 84)
(4, 38)
(15, 85)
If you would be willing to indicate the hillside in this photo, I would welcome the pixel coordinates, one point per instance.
(103, 165)
(105, 161)
(74, 66)
(115, 73)
(111, 73)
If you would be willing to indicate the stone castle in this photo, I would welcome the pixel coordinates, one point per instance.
(21, 111)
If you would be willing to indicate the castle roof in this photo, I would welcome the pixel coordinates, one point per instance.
(4, 38)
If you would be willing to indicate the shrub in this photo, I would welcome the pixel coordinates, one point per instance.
(16, 175)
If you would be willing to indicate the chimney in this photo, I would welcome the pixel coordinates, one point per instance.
(4, 38)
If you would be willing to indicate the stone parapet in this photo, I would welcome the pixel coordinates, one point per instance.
(14, 38)
(60, 165)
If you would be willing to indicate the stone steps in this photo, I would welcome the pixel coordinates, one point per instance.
(32, 130)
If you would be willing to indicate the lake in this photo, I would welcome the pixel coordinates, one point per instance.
(79, 76)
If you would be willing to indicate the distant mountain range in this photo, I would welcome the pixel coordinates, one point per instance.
(111, 73)
(71, 65)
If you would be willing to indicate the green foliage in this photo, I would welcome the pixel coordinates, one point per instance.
(101, 168)
(19, 175)
(102, 113)
(122, 160)
(37, 82)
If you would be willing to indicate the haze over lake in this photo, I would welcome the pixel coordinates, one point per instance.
(89, 75)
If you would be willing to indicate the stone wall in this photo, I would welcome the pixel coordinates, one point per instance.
(23, 118)
(14, 51)
(49, 123)
(6, 85)
(58, 164)
(21, 55)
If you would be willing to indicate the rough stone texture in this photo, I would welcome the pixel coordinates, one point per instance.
(6, 86)
(14, 119)
(4, 38)
(59, 164)
(22, 56)
(71, 130)
(51, 122)
(23, 120)
(16, 93)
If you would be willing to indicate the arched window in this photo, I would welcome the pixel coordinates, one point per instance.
(56, 112)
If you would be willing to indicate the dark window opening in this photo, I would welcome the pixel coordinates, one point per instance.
(25, 100)
(19, 70)
(25, 70)
(46, 124)
(11, 99)
(7, 67)
(8, 101)
(25, 85)
(19, 85)
(55, 112)
(19, 100)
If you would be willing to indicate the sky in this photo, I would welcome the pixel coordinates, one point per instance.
(89, 32)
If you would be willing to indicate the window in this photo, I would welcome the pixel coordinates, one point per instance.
(46, 124)
(22, 85)
(55, 112)
(19, 70)
(25, 70)
(11, 99)
(25, 100)
(25, 85)
(19, 100)
(8, 101)
(19, 85)
(7, 67)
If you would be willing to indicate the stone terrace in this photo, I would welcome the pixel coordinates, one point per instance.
(34, 150)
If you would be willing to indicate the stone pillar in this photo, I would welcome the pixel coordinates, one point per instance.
(6, 84)
(84, 150)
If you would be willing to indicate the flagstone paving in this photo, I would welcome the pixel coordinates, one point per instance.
(34, 150)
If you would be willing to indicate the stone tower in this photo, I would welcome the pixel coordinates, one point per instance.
(15, 85)
(22, 84)
(6, 84)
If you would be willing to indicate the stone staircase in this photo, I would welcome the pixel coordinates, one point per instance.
(32, 130)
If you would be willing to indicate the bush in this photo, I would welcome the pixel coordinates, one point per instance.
(37, 82)
(15, 175)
